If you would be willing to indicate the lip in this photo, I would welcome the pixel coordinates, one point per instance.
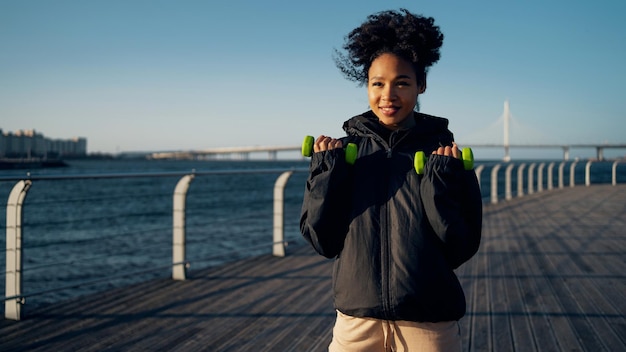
(388, 110)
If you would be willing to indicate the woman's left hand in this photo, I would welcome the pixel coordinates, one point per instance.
(448, 151)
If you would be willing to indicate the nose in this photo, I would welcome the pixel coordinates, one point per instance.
(388, 94)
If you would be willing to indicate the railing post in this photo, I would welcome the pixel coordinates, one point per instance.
(179, 264)
(561, 181)
(531, 179)
(494, 184)
(550, 176)
(520, 180)
(278, 249)
(588, 173)
(14, 259)
(614, 173)
(478, 170)
(540, 177)
(572, 178)
(508, 192)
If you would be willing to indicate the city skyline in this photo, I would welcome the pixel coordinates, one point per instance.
(33, 144)
(179, 75)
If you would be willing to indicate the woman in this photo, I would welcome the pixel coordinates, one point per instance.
(396, 236)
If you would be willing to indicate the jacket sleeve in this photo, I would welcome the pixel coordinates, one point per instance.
(326, 207)
(453, 205)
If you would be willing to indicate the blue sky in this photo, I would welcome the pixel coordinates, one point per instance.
(133, 75)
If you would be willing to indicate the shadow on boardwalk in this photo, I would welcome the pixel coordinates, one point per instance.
(549, 277)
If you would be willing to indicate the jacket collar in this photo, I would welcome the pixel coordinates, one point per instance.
(367, 123)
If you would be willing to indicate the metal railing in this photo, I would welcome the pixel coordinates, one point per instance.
(532, 174)
(15, 298)
(529, 178)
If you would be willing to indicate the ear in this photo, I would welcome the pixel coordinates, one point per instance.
(422, 88)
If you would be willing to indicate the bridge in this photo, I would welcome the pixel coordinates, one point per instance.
(244, 153)
(565, 147)
(272, 151)
(215, 153)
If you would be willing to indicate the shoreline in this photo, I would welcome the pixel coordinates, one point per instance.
(16, 164)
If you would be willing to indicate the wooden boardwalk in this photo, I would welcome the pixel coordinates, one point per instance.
(550, 276)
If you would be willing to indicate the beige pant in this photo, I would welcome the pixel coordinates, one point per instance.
(375, 335)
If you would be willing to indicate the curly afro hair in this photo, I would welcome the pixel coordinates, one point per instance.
(414, 38)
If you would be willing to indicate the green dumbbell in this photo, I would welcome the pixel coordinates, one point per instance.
(467, 156)
(350, 150)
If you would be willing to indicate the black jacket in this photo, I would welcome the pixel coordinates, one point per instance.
(396, 235)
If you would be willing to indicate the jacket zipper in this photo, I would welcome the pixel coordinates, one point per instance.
(385, 246)
(385, 259)
(391, 144)
(386, 251)
(387, 144)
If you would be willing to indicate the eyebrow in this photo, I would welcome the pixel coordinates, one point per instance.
(397, 77)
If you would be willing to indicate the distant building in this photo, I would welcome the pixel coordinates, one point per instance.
(31, 144)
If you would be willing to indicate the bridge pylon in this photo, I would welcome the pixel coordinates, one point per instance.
(507, 144)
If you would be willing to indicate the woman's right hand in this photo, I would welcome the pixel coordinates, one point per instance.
(324, 143)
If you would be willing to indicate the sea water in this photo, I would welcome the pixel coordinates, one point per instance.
(78, 230)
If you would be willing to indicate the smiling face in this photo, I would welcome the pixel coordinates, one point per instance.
(392, 89)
